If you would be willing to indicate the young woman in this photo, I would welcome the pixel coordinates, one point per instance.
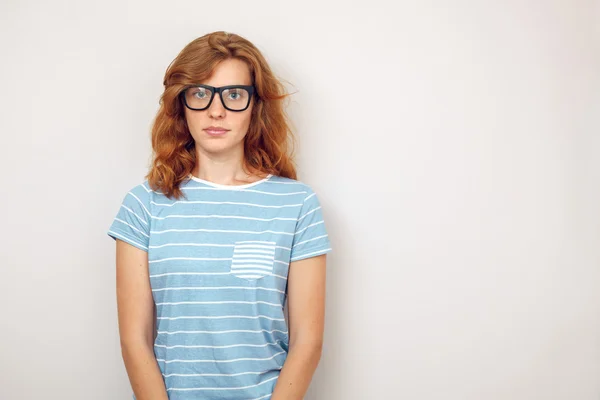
(218, 237)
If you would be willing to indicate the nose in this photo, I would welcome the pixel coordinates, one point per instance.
(216, 109)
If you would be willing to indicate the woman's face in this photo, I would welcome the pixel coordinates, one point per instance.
(228, 72)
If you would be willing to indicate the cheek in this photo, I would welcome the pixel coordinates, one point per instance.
(246, 118)
(238, 121)
(195, 121)
(246, 121)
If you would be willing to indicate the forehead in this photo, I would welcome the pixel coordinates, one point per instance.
(230, 72)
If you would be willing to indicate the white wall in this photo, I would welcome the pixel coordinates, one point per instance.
(455, 147)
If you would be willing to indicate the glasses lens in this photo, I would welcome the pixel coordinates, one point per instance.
(197, 97)
(236, 98)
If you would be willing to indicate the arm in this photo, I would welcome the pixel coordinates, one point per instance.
(306, 306)
(136, 323)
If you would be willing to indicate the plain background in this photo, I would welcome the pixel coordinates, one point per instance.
(455, 147)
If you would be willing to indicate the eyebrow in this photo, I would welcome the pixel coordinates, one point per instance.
(235, 84)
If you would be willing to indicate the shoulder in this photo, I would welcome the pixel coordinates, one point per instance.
(133, 219)
(292, 185)
(141, 190)
(139, 196)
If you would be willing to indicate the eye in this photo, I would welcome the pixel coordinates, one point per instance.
(238, 95)
(199, 93)
(235, 94)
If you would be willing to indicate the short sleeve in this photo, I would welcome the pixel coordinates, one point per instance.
(132, 222)
(310, 237)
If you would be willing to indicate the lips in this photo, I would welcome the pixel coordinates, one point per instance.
(213, 130)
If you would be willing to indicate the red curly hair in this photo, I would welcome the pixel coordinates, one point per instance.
(269, 142)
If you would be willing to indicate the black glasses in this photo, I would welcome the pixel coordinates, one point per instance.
(233, 97)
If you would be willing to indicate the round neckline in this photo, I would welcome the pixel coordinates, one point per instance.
(223, 186)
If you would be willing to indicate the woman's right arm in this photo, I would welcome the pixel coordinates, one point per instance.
(136, 323)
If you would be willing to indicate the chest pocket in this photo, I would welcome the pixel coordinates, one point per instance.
(252, 259)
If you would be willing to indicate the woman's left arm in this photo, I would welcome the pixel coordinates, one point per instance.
(306, 315)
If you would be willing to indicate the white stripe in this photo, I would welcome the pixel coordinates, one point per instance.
(139, 201)
(207, 245)
(191, 244)
(310, 212)
(316, 223)
(253, 246)
(244, 190)
(238, 374)
(225, 216)
(251, 264)
(127, 239)
(132, 212)
(216, 332)
(240, 261)
(309, 240)
(222, 202)
(188, 258)
(256, 241)
(131, 226)
(253, 253)
(220, 230)
(220, 302)
(250, 273)
(210, 273)
(225, 388)
(252, 258)
(218, 288)
(222, 317)
(310, 254)
(243, 260)
(219, 361)
(309, 196)
(250, 269)
(188, 273)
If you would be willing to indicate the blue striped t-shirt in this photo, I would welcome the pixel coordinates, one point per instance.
(218, 263)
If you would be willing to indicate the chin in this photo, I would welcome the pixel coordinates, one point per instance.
(217, 147)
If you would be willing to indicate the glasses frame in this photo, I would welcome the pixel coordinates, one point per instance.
(219, 90)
